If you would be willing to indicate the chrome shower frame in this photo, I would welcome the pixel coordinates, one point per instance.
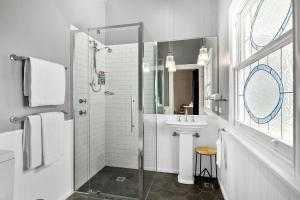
(140, 28)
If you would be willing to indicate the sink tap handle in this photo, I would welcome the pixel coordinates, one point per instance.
(175, 134)
(193, 118)
(179, 118)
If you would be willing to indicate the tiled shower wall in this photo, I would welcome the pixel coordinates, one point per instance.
(112, 143)
(150, 49)
(150, 136)
(122, 80)
(94, 121)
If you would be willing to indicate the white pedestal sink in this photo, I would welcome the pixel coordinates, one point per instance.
(186, 131)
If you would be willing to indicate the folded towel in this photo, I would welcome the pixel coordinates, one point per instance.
(52, 136)
(32, 142)
(44, 82)
(219, 152)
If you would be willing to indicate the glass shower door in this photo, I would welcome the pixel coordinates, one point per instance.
(81, 109)
(119, 176)
(107, 82)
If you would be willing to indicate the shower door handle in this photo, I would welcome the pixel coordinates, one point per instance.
(132, 102)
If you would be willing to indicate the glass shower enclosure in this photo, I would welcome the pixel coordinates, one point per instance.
(108, 107)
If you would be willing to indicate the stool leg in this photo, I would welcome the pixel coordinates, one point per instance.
(216, 166)
(196, 165)
(211, 168)
(200, 169)
(217, 183)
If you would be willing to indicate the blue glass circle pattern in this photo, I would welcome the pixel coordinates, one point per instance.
(279, 32)
(277, 108)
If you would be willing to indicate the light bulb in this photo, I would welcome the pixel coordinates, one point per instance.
(170, 62)
(146, 67)
(203, 54)
(200, 62)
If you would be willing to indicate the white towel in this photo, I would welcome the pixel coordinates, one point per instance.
(52, 136)
(32, 142)
(44, 82)
(219, 152)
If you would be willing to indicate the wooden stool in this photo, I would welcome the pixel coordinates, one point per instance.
(206, 151)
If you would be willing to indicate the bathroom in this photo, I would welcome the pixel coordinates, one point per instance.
(151, 99)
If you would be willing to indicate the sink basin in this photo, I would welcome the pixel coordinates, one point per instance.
(186, 131)
(186, 127)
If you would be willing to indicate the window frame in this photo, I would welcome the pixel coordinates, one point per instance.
(281, 148)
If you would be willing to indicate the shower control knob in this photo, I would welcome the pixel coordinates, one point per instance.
(82, 101)
(82, 112)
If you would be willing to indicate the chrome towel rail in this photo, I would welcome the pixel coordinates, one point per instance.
(14, 57)
(14, 119)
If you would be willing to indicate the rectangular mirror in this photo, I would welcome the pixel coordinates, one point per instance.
(188, 88)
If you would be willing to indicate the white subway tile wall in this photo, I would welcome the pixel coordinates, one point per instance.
(90, 128)
(150, 49)
(150, 136)
(122, 80)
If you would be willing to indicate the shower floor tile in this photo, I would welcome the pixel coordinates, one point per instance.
(164, 187)
(117, 181)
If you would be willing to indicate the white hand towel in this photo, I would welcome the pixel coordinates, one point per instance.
(52, 136)
(44, 82)
(219, 152)
(32, 142)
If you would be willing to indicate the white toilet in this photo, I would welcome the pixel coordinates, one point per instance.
(7, 167)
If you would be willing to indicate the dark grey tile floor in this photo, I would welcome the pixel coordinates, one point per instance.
(165, 187)
(81, 196)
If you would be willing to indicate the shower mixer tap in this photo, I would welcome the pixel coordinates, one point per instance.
(82, 101)
(81, 112)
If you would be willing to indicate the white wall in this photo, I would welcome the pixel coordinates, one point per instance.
(193, 19)
(29, 28)
(246, 177)
(52, 183)
(83, 14)
(150, 142)
(224, 57)
(168, 145)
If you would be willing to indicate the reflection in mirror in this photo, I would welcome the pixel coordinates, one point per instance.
(187, 90)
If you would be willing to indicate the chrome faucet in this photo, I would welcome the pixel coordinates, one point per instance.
(186, 115)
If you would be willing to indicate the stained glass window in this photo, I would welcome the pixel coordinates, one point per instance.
(263, 21)
(265, 87)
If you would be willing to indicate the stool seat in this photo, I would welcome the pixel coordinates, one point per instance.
(206, 151)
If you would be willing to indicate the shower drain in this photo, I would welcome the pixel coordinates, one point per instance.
(121, 179)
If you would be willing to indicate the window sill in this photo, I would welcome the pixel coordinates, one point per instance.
(280, 166)
(279, 147)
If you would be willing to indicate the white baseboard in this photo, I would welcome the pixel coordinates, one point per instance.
(66, 195)
(172, 171)
(150, 168)
(223, 190)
